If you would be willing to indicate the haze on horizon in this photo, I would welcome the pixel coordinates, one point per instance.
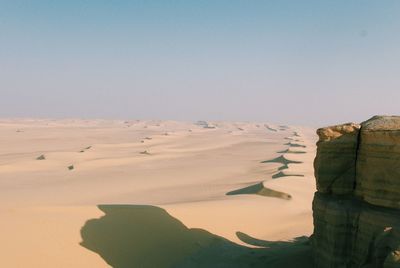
(295, 62)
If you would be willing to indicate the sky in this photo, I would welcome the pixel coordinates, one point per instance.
(294, 62)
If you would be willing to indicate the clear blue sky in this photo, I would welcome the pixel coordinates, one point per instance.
(295, 62)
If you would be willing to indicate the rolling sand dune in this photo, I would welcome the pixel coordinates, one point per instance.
(98, 193)
(291, 151)
(260, 189)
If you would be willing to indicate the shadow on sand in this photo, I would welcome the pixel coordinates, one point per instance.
(147, 236)
(260, 189)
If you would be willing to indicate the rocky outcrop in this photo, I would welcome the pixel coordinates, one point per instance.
(334, 164)
(356, 208)
(378, 162)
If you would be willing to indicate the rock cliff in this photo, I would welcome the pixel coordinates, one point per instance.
(356, 208)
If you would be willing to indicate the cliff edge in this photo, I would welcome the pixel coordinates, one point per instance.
(356, 208)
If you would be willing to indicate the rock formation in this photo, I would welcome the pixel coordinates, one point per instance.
(356, 208)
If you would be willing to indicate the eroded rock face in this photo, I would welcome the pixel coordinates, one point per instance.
(336, 157)
(378, 162)
(357, 207)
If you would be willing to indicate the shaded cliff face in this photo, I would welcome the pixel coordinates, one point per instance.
(336, 157)
(378, 162)
(357, 205)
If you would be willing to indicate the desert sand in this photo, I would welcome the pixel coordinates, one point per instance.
(136, 193)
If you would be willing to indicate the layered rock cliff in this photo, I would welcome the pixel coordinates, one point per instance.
(356, 208)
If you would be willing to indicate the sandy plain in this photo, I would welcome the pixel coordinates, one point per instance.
(137, 193)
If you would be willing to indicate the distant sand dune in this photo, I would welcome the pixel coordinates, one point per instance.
(291, 151)
(296, 134)
(281, 160)
(85, 149)
(292, 144)
(284, 174)
(41, 157)
(260, 190)
(270, 128)
(294, 139)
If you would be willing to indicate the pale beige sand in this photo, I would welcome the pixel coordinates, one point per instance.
(184, 168)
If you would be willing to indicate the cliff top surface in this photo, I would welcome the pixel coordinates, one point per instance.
(382, 123)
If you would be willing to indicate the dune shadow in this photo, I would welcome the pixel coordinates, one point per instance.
(283, 174)
(296, 134)
(260, 189)
(147, 236)
(289, 151)
(282, 160)
(270, 128)
(292, 144)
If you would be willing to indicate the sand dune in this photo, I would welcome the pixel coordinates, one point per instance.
(260, 189)
(208, 189)
(285, 174)
(281, 160)
(295, 144)
(291, 151)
